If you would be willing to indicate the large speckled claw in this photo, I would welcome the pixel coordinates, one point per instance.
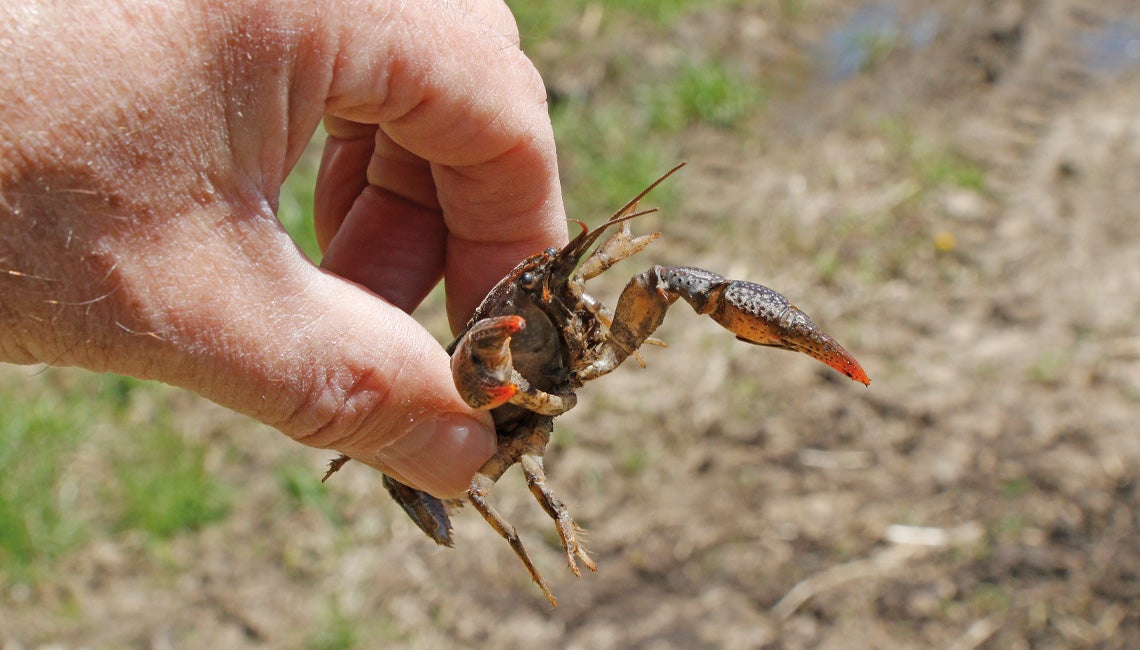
(759, 315)
(755, 313)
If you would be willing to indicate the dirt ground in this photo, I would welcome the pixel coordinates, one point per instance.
(982, 492)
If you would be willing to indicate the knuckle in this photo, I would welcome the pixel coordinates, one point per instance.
(338, 410)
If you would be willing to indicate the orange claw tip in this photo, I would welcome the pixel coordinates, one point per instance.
(506, 325)
(826, 349)
(492, 332)
(498, 395)
(515, 323)
(847, 365)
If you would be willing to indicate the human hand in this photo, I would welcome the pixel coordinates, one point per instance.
(144, 145)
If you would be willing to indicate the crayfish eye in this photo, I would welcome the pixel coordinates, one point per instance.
(529, 280)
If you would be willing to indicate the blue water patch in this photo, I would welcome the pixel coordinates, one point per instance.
(1110, 48)
(870, 31)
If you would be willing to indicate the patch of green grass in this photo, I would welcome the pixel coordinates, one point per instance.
(116, 391)
(621, 133)
(930, 165)
(792, 9)
(334, 632)
(1009, 525)
(538, 20)
(710, 93)
(304, 488)
(295, 203)
(663, 12)
(903, 233)
(876, 47)
(39, 435)
(948, 168)
(989, 598)
(1050, 365)
(634, 462)
(612, 153)
(164, 487)
(874, 246)
(563, 437)
(614, 147)
(57, 488)
(338, 630)
(542, 20)
(1015, 488)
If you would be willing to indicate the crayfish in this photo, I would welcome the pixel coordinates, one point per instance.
(538, 336)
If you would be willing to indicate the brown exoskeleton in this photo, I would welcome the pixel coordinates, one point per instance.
(538, 336)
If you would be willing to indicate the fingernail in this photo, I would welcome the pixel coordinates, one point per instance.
(440, 455)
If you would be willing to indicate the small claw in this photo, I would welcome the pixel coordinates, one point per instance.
(615, 248)
(481, 363)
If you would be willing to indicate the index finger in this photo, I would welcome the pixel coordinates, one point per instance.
(454, 90)
(488, 238)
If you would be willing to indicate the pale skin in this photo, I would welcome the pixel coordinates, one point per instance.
(142, 148)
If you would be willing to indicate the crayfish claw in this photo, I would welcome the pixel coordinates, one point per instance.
(484, 372)
(481, 363)
(753, 312)
(759, 315)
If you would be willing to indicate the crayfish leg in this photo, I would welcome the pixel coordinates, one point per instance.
(569, 532)
(335, 465)
(615, 248)
(477, 495)
(606, 316)
(538, 401)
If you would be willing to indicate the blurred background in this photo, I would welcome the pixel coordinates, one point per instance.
(950, 189)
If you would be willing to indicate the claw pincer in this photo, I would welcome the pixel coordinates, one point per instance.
(481, 363)
(485, 375)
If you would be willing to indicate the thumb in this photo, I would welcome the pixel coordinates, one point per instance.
(380, 391)
(240, 316)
